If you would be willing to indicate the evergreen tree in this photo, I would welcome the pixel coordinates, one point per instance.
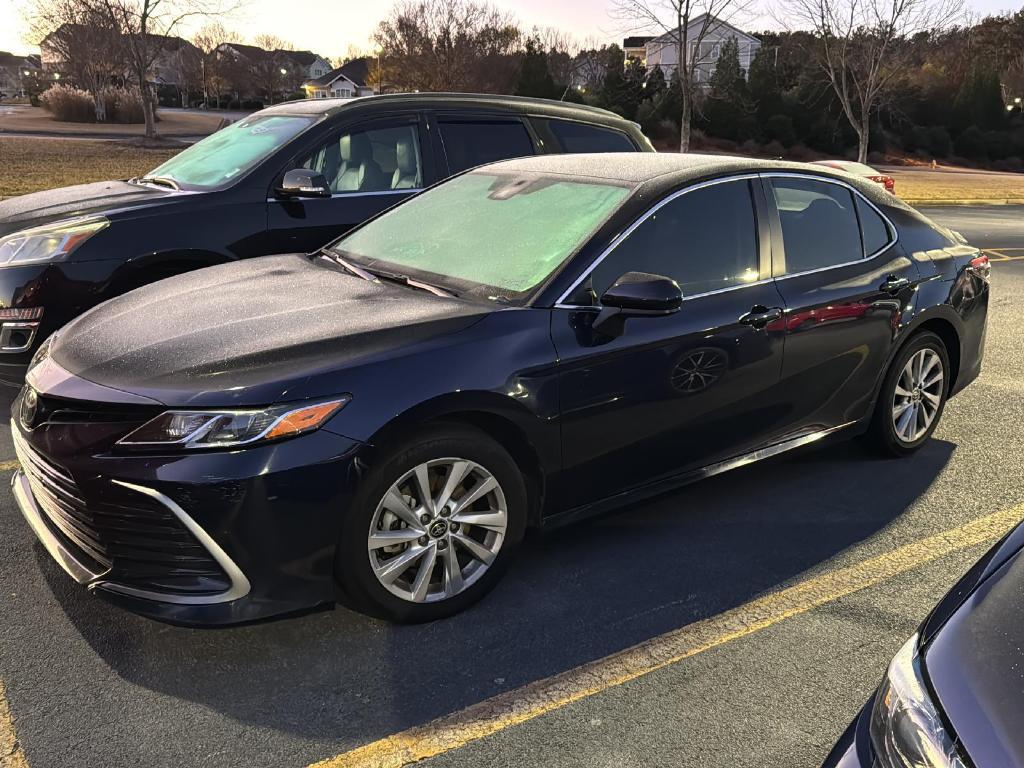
(613, 86)
(655, 85)
(534, 77)
(979, 102)
(728, 109)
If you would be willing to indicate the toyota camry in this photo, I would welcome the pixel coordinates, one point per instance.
(527, 343)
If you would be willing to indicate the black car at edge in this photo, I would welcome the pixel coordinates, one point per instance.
(952, 698)
(231, 197)
(524, 344)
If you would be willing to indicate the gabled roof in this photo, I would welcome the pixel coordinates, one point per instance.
(637, 41)
(355, 71)
(329, 78)
(302, 58)
(715, 24)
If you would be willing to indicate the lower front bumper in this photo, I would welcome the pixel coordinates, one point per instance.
(853, 750)
(269, 517)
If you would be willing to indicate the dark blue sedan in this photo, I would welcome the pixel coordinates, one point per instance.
(527, 343)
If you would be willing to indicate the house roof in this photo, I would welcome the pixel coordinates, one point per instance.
(637, 42)
(8, 59)
(714, 23)
(354, 71)
(302, 58)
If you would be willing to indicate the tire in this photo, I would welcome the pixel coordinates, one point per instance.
(903, 435)
(431, 547)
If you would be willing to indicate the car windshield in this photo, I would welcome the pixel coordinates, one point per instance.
(490, 235)
(220, 158)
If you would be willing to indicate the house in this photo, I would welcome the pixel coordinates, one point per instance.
(663, 51)
(15, 71)
(636, 48)
(345, 82)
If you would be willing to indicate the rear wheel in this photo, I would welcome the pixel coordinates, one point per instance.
(433, 526)
(913, 396)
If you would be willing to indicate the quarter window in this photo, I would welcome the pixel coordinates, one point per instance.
(705, 240)
(579, 137)
(819, 224)
(471, 143)
(375, 160)
(875, 230)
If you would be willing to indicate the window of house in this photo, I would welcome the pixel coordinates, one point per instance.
(705, 240)
(580, 137)
(469, 143)
(374, 160)
(819, 224)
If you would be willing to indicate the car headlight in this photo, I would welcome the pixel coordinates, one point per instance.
(906, 728)
(50, 242)
(228, 429)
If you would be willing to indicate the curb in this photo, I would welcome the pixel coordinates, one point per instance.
(995, 201)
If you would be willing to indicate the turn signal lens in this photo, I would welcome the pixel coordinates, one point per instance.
(981, 266)
(186, 430)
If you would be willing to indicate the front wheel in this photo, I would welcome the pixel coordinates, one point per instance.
(433, 526)
(913, 396)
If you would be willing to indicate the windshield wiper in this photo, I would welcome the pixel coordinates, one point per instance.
(347, 265)
(163, 181)
(394, 277)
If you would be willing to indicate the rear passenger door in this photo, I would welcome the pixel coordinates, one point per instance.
(370, 166)
(466, 141)
(846, 286)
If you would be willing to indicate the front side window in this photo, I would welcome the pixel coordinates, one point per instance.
(471, 143)
(494, 236)
(819, 224)
(374, 160)
(705, 240)
(219, 159)
(580, 137)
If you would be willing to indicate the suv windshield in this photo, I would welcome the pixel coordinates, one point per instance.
(231, 151)
(491, 235)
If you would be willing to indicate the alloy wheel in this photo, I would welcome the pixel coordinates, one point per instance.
(437, 530)
(918, 395)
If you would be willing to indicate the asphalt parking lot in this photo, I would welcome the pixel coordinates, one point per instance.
(720, 681)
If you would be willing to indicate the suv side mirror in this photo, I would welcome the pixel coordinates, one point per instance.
(637, 294)
(302, 182)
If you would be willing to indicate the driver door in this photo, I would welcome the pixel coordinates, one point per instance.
(680, 391)
(369, 166)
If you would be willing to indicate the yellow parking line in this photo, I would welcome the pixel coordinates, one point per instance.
(535, 699)
(6, 466)
(11, 755)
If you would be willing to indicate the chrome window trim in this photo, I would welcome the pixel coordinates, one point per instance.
(337, 195)
(893, 232)
(239, 583)
(560, 303)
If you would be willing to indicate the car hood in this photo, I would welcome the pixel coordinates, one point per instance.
(975, 663)
(252, 332)
(40, 208)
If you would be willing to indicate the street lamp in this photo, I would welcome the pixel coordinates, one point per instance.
(284, 71)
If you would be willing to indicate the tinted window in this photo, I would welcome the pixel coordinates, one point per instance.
(376, 160)
(469, 144)
(874, 228)
(705, 240)
(579, 137)
(819, 224)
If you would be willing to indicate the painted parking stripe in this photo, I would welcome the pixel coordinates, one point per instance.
(11, 755)
(538, 698)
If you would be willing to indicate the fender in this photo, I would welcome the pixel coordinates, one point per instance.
(150, 267)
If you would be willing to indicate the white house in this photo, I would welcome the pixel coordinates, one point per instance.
(663, 51)
(345, 82)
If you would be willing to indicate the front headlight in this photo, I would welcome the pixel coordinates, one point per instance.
(906, 729)
(50, 242)
(228, 429)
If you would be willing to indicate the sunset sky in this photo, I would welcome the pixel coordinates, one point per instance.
(329, 27)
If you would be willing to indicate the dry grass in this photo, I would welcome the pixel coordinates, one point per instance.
(956, 185)
(32, 165)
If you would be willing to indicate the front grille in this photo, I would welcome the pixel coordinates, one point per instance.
(139, 542)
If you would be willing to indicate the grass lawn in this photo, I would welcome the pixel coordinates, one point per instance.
(31, 165)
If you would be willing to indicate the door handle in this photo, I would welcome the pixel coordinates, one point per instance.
(759, 316)
(894, 284)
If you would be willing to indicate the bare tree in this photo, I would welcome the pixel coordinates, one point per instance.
(80, 41)
(860, 44)
(448, 45)
(683, 26)
(208, 39)
(271, 71)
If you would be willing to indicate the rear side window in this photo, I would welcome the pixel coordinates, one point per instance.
(819, 224)
(705, 240)
(471, 143)
(875, 230)
(580, 137)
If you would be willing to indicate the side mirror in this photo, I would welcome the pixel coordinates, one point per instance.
(637, 294)
(302, 182)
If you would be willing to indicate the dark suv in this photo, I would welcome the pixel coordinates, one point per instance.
(288, 178)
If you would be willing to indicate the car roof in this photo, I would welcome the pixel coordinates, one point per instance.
(668, 168)
(519, 104)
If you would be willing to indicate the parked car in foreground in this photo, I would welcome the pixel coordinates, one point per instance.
(952, 698)
(289, 178)
(860, 169)
(527, 343)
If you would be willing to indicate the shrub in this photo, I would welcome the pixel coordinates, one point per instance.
(774, 149)
(802, 153)
(999, 144)
(971, 143)
(123, 105)
(780, 128)
(939, 141)
(69, 104)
